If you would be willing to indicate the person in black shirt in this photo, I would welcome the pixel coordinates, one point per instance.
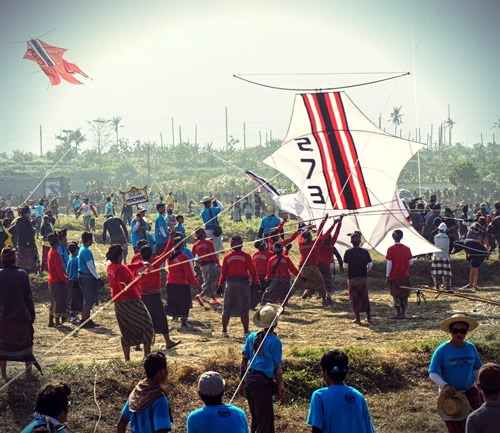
(357, 263)
(117, 232)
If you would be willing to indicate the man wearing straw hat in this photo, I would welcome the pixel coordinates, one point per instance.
(454, 369)
(269, 222)
(263, 350)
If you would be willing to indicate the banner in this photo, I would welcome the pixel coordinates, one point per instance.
(52, 186)
(135, 195)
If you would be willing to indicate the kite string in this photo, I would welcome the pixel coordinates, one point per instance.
(316, 89)
(292, 286)
(51, 170)
(103, 307)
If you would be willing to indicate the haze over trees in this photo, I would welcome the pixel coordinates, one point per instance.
(103, 155)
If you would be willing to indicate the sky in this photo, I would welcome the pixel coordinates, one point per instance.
(158, 60)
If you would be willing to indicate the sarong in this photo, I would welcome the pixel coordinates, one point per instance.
(135, 323)
(236, 297)
(399, 295)
(44, 267)
(276, 293)
(59, 299)
(314, 280)
(154, 305)
(27, 258)
(326, 273)
(178, 300)
(358, 295)
(440, 267)
(16, 341)
(210, 276)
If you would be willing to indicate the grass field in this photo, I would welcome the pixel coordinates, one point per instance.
(389, 358)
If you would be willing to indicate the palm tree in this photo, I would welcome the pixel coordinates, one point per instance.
(71, 136)
(396, 118)
(77, 137)
(115, 121)
(100, 128)
(448, 123)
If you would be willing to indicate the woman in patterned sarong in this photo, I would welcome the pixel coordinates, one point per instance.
(24, 236)
(132, 315)
(17, 314)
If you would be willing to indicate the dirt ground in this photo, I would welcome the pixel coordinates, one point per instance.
(305, 323)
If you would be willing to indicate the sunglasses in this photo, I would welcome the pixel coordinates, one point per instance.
(462, 331)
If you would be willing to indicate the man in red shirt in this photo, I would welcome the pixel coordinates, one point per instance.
(309, 259)
(237, 268)
(260, 260)
(399, 259)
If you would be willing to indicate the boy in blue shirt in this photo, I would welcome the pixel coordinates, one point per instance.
(338, 408)
(147, 408)
(75, 291)
(179, 226)
(215, 416)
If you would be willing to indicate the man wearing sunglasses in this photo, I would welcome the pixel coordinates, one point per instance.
(454, 368)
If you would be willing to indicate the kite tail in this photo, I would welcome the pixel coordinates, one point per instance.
(53, 75)
(65, 74)
(73, 69)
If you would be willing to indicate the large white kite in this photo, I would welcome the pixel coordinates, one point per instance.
(343, 164)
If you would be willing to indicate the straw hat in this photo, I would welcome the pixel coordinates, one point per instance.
(454, 408)
(206, 199)
(445, 324)
(270, 209)
(265, 315)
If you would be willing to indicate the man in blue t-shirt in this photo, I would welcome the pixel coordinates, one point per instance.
(338, 407)
(455, 366)
(162, 234)
(88, 279)
(269, 222)
(147, 408)
(215, 416)
(212, 208)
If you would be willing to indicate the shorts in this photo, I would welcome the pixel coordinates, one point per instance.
(89, 287)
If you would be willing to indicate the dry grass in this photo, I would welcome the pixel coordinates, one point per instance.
(389, 359)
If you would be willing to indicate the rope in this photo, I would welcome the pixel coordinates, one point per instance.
(95, 399)
(328, 89)
(454, 293)
(292, 286)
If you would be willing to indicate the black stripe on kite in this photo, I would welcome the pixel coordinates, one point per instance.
(42, 53)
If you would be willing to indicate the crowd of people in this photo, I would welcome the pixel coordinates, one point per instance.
(241, 282)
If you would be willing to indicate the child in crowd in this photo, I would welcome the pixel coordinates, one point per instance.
(76, 297)
(338, 407)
